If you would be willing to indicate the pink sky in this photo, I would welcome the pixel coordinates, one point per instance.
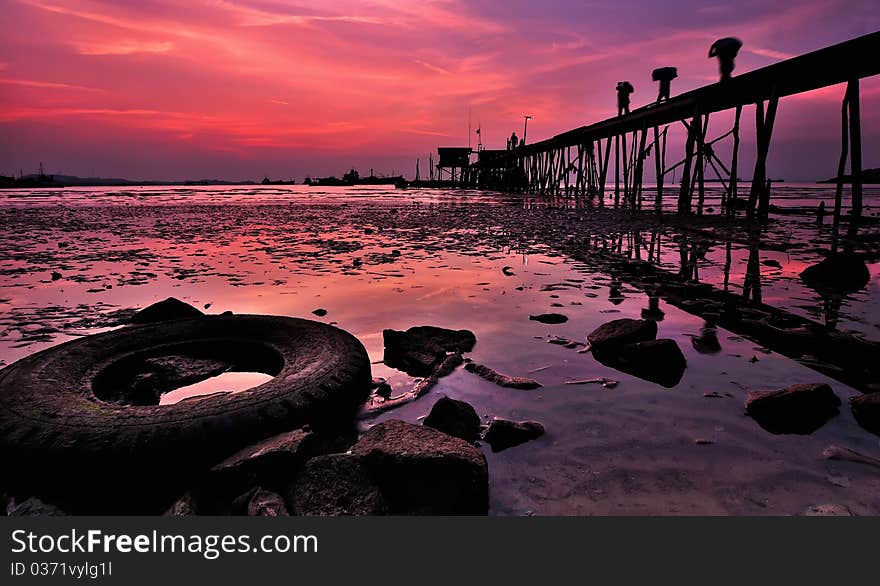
(158, 89)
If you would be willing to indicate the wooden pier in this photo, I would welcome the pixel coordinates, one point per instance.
(577, 162)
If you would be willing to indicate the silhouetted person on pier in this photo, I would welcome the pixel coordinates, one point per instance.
(664, 75)
(624, 89)
(726, 50)
(512, 142)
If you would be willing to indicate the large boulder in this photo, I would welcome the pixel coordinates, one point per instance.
(659, 361)
(455, 418)
(619, 332)
(866, 410)
(840, 271)
(798, 409)
(420, 350)
(424, 471)
(502, 434)
(166, 310)
(272, 463)
(336, 485)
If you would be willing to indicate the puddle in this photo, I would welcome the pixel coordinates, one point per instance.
(228, 382)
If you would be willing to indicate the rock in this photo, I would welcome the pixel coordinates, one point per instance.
(32, 507)
(503, 380)
(424, 471)
(381, 387)
(622, 331)
(455, 418)
(166, 310)
(549, 318)
(320, 312)
(265, 503)
(799, 409)
(56, 275)
(272, 463)
(839, 271)
(185, 506)
(828, 510)
(659, 361)
(336, 485)
(866, 410)
(420, 350)
(503, 434)
(772, 263)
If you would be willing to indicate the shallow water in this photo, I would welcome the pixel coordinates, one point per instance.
(377, 258)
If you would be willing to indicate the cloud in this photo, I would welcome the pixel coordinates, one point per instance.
(123, 47)
(771, 53)
(52, 85)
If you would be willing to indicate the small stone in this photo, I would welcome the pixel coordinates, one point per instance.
(456, 418)
(866, 410)
(841, 271)
(660, 361)
(619, 332)
(828, 510)
(798, 409)
(420, 350)
(381, 387)
(502, 434)
(549, 318)
(320, 312)
(166, 310)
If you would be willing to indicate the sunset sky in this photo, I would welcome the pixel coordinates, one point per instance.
(161, 89)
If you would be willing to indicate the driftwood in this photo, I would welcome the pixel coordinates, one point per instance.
(848, 455)
(503, 380)
(421, 386)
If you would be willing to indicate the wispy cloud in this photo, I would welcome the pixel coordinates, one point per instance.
(127, 47)
(51, 85)
(771, 53)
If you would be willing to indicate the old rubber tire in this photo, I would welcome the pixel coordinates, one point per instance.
(56, 435)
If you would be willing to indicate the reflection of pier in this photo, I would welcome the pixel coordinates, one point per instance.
(634, 256)
(577, 162)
